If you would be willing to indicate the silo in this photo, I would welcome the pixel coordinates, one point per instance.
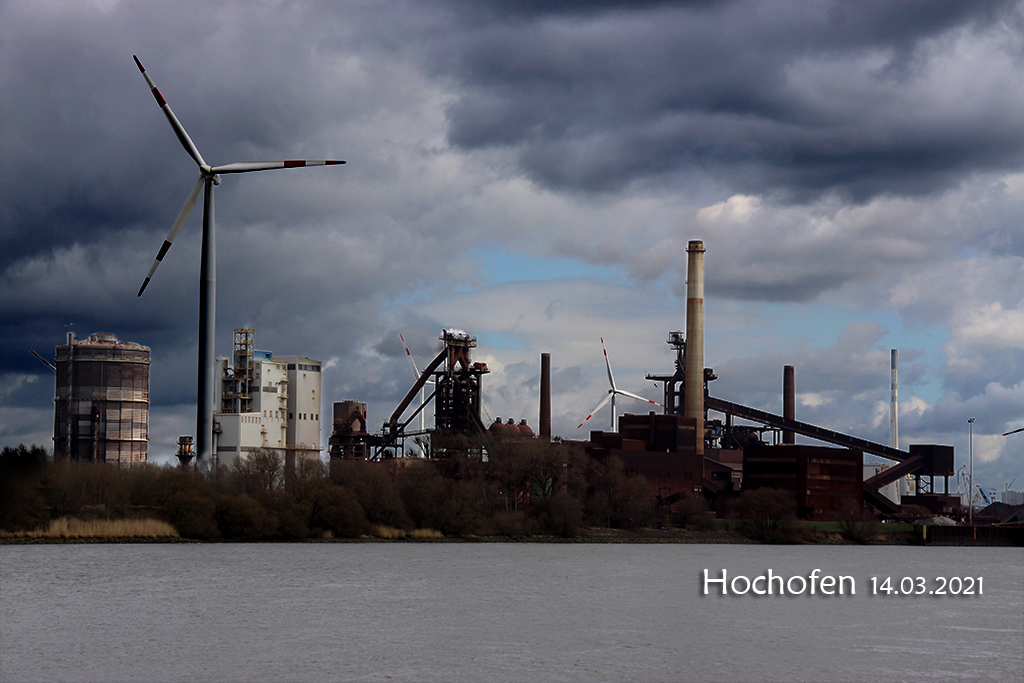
(102, 401)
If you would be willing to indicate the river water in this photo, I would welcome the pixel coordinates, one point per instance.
(502, 612)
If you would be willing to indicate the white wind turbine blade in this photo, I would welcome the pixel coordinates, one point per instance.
(179, 130)
(607, 363)
(246, 166)
(186, 209)
(54, 368)
(412, 363)
(610, 396)
(639, 398)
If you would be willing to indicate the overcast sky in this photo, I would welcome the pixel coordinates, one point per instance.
(532, 176)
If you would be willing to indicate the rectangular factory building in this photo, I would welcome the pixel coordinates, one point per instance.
(824, 481)
(267, 402)
(303, 403)
(661, 448)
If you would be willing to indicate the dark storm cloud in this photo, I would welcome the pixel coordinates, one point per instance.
(93, 177)
(597, 96)
(652, 122)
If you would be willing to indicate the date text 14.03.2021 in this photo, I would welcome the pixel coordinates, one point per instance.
(918, 585)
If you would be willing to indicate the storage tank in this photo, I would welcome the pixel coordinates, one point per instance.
(102, 400)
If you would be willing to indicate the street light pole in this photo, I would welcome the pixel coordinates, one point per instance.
(970, 474)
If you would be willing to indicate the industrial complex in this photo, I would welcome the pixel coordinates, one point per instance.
(694, 445)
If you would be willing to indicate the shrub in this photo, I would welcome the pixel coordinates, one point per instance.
(241, 517)
(335, 510)
(767, 513)
(559, 515)
(373, 488)
(615, 499)
(432, 501)
(22, 501)
(192, 514)
(291, 518)
(856, 523)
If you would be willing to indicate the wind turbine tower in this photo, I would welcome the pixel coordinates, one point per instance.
(209, 177)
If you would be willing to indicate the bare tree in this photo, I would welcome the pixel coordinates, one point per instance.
(767, 511)
(261, 471)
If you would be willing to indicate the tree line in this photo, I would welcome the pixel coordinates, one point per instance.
(523, 488)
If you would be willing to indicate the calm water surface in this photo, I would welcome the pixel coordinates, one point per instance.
(497, 612)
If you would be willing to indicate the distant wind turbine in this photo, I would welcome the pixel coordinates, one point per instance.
(209, 176)
(416, 376)
(612, 391)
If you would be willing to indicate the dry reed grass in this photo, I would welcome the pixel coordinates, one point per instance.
(390, 533)
(70, 527)
(380, 531)
(426, 533)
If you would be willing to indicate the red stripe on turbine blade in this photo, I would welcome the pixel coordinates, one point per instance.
(159, 98)
(295, 163)
(141, 68)
(333, 163)
(163, 250)
(143, 287)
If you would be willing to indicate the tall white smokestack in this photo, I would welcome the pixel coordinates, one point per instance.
(894, 417)
(693, 397)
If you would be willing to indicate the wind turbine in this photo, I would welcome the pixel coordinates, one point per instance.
(416, 376)
(209, 177)
(612, 391)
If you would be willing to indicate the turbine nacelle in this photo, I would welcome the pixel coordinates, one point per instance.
(206, 171)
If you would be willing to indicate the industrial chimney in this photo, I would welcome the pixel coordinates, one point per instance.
(545, 396)
(788, 402)
(894, 427)
(693, 398)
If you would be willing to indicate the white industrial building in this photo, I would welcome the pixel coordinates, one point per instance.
(1011, 497)
(891, 491)
(267, 402)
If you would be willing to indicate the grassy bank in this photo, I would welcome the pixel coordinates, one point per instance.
(71, 528)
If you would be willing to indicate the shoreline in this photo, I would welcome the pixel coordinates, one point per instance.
(595, 536)
(934, 536)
